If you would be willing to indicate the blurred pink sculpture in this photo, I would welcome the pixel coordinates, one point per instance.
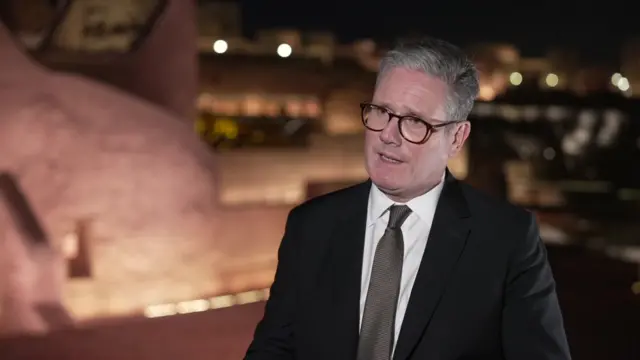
(85, 152)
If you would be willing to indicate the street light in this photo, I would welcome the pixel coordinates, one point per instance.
(220, 46)
(284, 50)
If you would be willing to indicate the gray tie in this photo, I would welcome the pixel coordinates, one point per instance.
(378, 320)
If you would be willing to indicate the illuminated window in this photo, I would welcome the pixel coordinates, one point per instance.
(229, 107)
(294, 108)
(253, 106)
(225, 127)
(76, 251)
(509, 112)
(312, 109)
(257, 105)
(205, 102)
(272, 108)
(484, 109)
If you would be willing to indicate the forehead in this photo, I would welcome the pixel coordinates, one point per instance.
(411, 92)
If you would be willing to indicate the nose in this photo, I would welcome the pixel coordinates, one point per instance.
(391, 133)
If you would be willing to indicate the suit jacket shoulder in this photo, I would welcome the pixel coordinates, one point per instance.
(333, 206)
(481, 203)
(498, 219)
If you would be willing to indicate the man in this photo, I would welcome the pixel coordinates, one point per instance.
(412, 264)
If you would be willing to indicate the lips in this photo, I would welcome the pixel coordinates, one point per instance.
(386, 157)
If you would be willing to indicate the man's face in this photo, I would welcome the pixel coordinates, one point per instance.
(415, 168)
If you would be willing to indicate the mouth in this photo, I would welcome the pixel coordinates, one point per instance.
(389, 158)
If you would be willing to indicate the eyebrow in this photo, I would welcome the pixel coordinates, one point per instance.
(407, 112)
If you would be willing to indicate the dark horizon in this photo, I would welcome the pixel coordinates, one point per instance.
(598, 33)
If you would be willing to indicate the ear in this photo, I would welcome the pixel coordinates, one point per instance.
(460, 135)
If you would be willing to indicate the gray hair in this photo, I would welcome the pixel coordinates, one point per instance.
(442, 60)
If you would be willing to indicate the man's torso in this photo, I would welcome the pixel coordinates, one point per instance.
(454, 307)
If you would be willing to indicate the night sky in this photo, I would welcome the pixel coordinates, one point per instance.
(597, 30)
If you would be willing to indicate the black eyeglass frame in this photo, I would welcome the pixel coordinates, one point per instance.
(401, 118)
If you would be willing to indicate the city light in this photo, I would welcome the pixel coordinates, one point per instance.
(486, 93)
(623, 84)
(615, 78)
(515, 78)
(549, 153)
(220, 46)
(552, 80)
(284, 50)
(199, 305)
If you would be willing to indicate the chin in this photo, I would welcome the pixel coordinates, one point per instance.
(387, 182)
(388, 176)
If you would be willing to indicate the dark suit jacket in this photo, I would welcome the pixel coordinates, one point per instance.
(484, 289)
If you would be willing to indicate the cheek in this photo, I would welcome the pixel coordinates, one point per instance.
(371, 137)
(370, 143)
(426, 158)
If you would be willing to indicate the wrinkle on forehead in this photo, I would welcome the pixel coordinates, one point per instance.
(412, 92)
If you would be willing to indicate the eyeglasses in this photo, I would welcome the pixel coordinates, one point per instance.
(412, 129)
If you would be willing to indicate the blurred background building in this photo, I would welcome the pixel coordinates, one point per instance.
(278, 110)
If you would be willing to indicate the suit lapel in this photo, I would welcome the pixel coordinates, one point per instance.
(446, 242)
(346, 252)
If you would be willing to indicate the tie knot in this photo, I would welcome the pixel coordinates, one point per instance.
(397, 215)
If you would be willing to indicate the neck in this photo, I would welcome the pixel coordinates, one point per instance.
(404, 197)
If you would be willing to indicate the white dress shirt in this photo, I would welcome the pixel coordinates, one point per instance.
(415, 232)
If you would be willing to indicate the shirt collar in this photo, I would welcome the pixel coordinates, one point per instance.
(424, 205)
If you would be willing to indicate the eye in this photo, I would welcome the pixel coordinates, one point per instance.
(378, 111)
(413, 122)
